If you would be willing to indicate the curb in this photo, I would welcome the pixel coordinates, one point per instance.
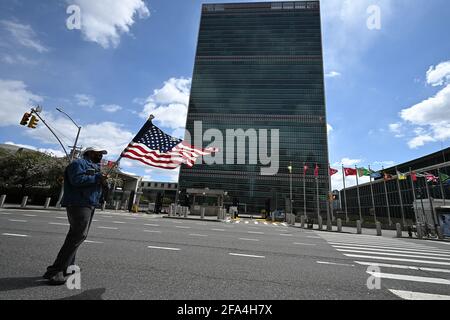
(193, 219)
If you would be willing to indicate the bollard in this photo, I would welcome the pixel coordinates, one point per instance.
(329, 225)
(104, 206)
(358, 227)
(320, 222)
(302, 222)
(202, 213)
(185, 212)
(24, 202)
(378, 225)
(339, 225)
(47, 203)
(2, 200)
(440, 232)
(117, 205)
(398, 226)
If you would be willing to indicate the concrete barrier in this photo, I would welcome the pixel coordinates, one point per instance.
(302, 222)
(339, 225)
(185, 212)
(320, 222)
(202, 216)
(2, 200)
(419, 231)
(378, 225)
(24, 202)
(358, 227)
(117, 205)
(329, 225)
(104, 206)
(398, 226)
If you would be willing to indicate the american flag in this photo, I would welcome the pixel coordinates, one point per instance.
(153, 147)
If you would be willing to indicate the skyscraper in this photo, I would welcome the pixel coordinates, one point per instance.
(260, 66)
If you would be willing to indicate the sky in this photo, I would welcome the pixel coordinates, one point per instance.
(387, 65)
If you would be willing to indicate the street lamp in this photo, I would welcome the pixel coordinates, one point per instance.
(290, 180)
(72, 156)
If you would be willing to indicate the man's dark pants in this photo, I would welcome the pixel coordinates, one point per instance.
(80, 219)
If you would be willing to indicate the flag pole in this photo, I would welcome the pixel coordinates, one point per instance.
(359, 199)
(373, 200)
(400, 197)
(116, 164)
(304, 189)
(345, 194)
(414, 193)
(387, 198)
(442, 187)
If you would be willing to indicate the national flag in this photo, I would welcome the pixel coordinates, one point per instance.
(153, 147)
(305, 169)
(430, 177)
(413, 176)
(350, 172)
(387, 177)
(401, 176)
(443, 177)
(363, 172)
(333, 172)
(376, 175)
(316, 171)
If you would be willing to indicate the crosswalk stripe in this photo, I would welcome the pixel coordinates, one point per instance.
(391, 254)
(397, 266)
(388, 247)
(409, 278)
(383, 242)
(397, 259)
(393, 251)
(411, 295)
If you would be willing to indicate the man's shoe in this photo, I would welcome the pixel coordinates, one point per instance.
(58, 279)
(49, 274)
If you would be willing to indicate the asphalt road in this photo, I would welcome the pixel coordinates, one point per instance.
(148, 257)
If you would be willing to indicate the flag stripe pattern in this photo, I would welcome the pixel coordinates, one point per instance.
(153, 147)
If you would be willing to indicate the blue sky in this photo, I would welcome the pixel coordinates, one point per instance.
(387, 90)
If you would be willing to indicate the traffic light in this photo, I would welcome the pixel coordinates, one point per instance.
(25, 119)
(33, 122)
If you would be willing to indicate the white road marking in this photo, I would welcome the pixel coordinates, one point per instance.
(382, 243)
(14, 220)
(246, 255)
(313, 237)
(118, 222)
(218, 229)
(6, 213)
(93, 220)
(304, 244)
(164, 248)
(182, 227)
(152, 231)
(411, 295)
(29, 215)
(60, 218)
(286, 234)
(392, 254)
(151, 225)
(108, 228)
(131, 218)
(397, 259)
(409, 278)
(335, 264)
(14, 235)
(90, 241)
(198, 235)
(265, 223)
(256, 222)
(59, 224)
(255, 232)
(237, 222)
(397, 266)
(398, 251)
(275, 224)
(389, 247)
(246, 239)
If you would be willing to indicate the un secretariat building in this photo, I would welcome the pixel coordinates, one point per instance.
(260, 66)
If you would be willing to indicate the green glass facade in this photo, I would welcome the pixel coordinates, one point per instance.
(260, 66)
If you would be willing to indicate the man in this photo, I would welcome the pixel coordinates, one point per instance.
(83, 183)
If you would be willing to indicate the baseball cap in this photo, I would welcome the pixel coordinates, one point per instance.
(95, 149)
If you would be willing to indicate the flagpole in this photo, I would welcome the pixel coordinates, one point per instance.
(414, 194)
(359, 199)
(330, 207)
(442, 187)
(304, 189)
(387, 199)
(318, 201)
(345, 194)
(400, 196)
(431, 203)
(373, 200)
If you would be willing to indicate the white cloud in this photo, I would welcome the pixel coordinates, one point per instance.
(420, 141)
(348, 162)
(103, 21)
(169, 104)
(15, 100)
(162, 175)
(24, 35)
(53, 152)
(17, 59)
(437, 76)
(111, 108)
(329, 128)
(332, 74)
(85, 100)
(396, 128)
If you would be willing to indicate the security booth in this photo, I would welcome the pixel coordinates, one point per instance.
(209, 200)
